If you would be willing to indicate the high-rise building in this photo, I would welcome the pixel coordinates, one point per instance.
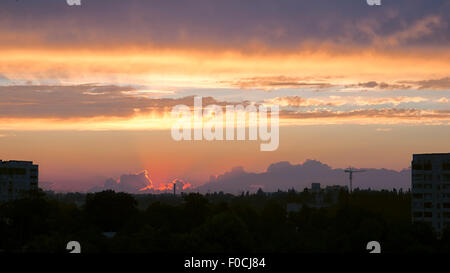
(17, 177)
(430, 187)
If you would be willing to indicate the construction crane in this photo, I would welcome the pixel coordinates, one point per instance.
(351, 170)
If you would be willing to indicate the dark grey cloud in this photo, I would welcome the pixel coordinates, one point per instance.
(83, 101)
(140, 183)
(233, 23)
(275, 82)
(271, 83)
(130, 183)
(90, 100)
(383, 85)
(433, 84)
(284, 175)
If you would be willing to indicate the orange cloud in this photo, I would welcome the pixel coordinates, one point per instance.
(178, 183)
(367, 116)
(218, 68)
(442, 100)
(275, 82)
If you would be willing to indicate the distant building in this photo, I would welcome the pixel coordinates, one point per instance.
(325, 197)
(332, 193)
(16, 177)
(321, 198)
(430, 187)
(315, 188)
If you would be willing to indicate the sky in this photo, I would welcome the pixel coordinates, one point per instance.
(86, 91)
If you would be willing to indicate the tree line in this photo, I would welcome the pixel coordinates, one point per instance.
(215, 223)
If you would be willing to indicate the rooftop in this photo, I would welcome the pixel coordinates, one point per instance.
(16, 162)
(432, 154)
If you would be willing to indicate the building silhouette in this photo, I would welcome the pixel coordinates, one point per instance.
(17, 177)
(430, 186)
(321, 197)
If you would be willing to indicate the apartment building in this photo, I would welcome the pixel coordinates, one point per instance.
(17, 177)
(430, 187)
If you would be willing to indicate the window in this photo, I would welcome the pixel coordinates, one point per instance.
(417, 166)
(446, 166)
(418, 176)
(428, 205)
(427, 214)
(13, 171)
(417, 214)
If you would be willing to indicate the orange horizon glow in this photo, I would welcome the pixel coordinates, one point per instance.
(211, 68)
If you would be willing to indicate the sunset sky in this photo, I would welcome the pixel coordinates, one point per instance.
(86, 92)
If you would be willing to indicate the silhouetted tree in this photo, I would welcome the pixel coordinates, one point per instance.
(109, 210)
